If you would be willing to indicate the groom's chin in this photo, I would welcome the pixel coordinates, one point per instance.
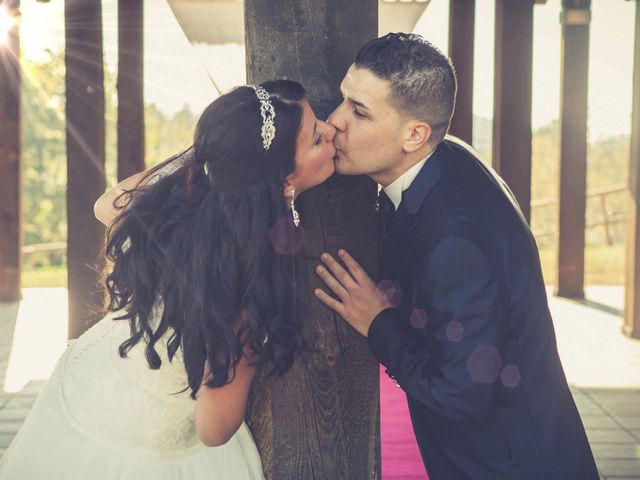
(340, 165)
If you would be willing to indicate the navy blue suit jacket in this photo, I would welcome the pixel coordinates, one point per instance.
(472, 341)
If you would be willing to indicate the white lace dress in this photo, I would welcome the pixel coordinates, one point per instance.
(103, 417)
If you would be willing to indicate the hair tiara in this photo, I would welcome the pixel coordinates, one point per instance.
(268, 114)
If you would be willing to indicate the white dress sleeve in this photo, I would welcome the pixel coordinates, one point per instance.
(177, 162)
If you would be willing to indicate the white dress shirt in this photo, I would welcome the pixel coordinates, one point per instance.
(394, 189)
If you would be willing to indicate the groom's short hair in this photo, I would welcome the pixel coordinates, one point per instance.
(422, 78)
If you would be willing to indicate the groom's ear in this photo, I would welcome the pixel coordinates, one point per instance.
(418, 135)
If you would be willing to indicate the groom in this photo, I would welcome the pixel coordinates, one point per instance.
(460, 318)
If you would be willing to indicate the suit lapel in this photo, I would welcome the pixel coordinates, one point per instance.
(413, 199)
(407, 216)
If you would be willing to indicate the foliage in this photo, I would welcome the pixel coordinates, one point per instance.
(44, 169)
(607, 168)
(44, 172)
(44, 150)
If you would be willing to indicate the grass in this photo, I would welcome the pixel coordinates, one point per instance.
(604, 265)
(45, 277)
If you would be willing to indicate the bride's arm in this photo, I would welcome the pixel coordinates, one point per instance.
(104, 209)
(221, 411)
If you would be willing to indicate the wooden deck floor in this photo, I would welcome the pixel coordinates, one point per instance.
(603, 368)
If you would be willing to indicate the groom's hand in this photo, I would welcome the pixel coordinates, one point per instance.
(360, 299)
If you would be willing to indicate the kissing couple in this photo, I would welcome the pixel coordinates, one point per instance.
(199, 295)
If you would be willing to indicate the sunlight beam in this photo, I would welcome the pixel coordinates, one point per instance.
(7, 23)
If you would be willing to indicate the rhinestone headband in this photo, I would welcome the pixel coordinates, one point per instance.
(268, 115)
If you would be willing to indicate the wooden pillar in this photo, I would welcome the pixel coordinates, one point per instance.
(130, 88)
(512, 97)
(575, 19)
(10, 178)
(85, 158)
(631, 326)
(461, 41)
(321, 419)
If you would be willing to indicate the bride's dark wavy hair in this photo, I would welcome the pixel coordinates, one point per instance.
(200, 241)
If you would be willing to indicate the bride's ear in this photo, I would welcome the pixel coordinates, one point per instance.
(289, 188)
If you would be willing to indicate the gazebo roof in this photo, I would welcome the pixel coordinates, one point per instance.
(222, 21)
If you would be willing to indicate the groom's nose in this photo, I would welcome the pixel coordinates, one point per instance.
(337, 118)
(330, 132)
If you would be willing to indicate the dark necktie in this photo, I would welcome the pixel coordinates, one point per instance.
(386, 212)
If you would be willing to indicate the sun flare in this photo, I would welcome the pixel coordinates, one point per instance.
(7, 22)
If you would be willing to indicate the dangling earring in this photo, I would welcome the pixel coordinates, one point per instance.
(294, 212)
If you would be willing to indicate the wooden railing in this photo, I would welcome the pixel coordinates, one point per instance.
(608, 218)
(43, 247)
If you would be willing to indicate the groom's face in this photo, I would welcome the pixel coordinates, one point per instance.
(368, 128)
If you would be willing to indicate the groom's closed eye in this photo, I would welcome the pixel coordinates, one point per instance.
(357, 113)
(358, 105)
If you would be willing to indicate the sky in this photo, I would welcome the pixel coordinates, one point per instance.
(178, 73)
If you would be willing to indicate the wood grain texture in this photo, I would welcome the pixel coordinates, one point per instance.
(321, 419)
(631, 326)
(10, 153)
(513, 97)
(572, 200)
(85, 159)
(461, 47)
(130, 88)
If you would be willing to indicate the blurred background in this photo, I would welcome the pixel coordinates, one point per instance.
(181, 78)
(191, 55)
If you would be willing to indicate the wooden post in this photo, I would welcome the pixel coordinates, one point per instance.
(10, 178)
(512, 97)
(461, 41)
(631, 326)
(575, 19)
(321, 419)
(130, 88)
(85, 158)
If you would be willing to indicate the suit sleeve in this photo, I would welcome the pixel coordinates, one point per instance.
(453, 369)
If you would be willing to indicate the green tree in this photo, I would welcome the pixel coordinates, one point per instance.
(44, 149)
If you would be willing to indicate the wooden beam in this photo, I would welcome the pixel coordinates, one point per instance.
(10, 153)
(461, 42)
(631, 325)
(575, 20)
(512, 97)
(130, 88)
(85, 158)
(321, 419)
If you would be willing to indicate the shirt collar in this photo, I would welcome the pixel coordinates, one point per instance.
(394, 189)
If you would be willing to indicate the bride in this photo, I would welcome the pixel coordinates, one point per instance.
(200, 294)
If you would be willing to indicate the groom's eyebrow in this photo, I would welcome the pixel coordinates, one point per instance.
(359, 104)
(353, 100)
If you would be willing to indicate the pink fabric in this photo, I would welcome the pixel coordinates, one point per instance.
(401, 458)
